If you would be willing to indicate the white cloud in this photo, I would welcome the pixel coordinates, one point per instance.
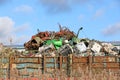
(24, 9)
(112, 29)
(9, 31)
(98, 13)
(6, 26)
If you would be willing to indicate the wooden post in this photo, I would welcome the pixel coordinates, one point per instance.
(105, 63)
(70, 65)
(38, 60)
(9, 68)
(44, 64)
(90, 62)
(11, 60)
(119, 60)
(115, 59)
(55, 62)
(60, 66)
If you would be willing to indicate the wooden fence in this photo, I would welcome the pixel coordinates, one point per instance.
(66, 65)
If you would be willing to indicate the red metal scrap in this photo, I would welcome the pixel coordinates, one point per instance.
(64, 33)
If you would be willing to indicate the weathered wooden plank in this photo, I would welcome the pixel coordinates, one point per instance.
(111, 65)
(100, 59)
(80, 59)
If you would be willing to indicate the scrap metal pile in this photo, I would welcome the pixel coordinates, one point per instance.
(65, 42)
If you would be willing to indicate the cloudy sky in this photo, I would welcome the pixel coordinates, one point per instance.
(20, 19)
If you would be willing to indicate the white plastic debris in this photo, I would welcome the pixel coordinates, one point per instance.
(81, 47)
(44, 48)
(66, 41)
(96, 47)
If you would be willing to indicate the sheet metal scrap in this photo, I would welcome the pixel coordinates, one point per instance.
(37, 41)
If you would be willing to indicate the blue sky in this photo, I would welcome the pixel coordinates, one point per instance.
(20, 19)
